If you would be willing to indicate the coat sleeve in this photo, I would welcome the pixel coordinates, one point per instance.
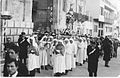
(88, 50)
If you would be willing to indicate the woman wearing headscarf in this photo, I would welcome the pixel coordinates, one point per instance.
(68, 55)
(59, 59)
(73, 48)
(80, 51)
(32, 62)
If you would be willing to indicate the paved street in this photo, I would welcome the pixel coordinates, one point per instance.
(81, 71)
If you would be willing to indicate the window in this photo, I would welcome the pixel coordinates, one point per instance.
(95, 28)
(106, 29)
(101, 10)
(110, 29)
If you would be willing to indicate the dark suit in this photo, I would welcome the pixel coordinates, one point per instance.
(23, 44)
(92, 60)
(22, 70)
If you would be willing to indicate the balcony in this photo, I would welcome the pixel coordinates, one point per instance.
(109, 21)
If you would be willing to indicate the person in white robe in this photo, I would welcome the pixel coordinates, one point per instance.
(80, 52)
(74, 51)
(38, 60)
(53, 45)
(32, 63)
(43, 50)
(68, 55)
(59, 60)
(85, 50)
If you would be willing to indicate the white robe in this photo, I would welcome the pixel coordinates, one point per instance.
(80, 52)
(59, 64)
(43, 54)
(44, 57)
(31, 62)
(35, 57)
(68, 57)
(85, 51)
(74, 48)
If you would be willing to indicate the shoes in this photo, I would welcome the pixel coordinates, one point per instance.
(84, 61)
(38, 70)
(107, 66)
(46, 68)
(80, 64)
(70, 70)
(42, 67)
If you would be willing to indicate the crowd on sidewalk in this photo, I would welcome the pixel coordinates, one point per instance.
(60, 53)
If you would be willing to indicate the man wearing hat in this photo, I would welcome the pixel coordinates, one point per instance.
(23, 44)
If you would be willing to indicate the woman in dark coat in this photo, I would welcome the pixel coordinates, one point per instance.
(93, 55)
(107, 48)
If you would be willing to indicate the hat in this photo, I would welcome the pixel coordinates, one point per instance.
(92, 42)
(22, 33)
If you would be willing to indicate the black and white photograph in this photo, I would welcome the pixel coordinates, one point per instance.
(59, 38)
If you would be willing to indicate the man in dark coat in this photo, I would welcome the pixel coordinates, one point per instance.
(23, 44)
(12, 54)
(93, 55)
(107, 48)
(12, 69)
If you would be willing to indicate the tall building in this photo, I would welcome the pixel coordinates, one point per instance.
(102, 12)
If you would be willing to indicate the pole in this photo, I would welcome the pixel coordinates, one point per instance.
(1, 25)
(24, 10)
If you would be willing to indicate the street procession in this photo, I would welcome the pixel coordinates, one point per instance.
(59, 38)
(59, 53)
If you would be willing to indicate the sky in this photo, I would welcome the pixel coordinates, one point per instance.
(116, 3)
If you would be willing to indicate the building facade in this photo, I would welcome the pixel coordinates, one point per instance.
(21, 19)
(103, 13)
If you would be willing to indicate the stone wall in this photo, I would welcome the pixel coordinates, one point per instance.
(21, 12)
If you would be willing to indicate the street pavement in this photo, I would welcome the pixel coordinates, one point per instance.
(81, 71)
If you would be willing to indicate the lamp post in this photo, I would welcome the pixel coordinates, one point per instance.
(4, 16)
